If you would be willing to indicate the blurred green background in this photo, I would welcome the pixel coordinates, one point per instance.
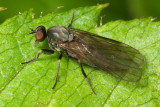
(118, 9)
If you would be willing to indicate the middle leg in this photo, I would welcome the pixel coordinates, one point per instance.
(59, 62)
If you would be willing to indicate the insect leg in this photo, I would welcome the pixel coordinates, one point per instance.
(86, 78)
(71, 20)
(59, 61)
(45, 51)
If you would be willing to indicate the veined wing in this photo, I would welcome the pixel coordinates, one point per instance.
(116, 58)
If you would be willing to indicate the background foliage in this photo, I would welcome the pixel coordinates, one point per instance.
(119, 9)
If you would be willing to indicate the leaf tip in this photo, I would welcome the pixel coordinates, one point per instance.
(101, 6)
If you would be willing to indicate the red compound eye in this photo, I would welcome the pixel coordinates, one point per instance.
(40, 36)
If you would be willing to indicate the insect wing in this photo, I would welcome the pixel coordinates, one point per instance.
(116, 58)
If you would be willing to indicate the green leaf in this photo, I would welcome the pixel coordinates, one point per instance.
(144, 35)
(31, 84)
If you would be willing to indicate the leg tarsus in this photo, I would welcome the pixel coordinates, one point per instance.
(84, 74)
(45, 51)
(59, 61)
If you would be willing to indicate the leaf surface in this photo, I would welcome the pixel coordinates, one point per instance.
(31, 84)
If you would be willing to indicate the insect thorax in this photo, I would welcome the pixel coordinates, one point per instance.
(58, 34)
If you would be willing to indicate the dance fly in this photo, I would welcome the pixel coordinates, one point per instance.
(116, 58)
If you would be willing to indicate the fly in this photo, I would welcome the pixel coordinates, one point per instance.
(116, 58)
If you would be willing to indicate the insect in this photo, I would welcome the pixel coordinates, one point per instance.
(116, 58)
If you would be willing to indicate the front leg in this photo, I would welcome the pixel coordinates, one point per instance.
(45, 51)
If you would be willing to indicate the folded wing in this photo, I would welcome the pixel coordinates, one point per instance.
(116, 58)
